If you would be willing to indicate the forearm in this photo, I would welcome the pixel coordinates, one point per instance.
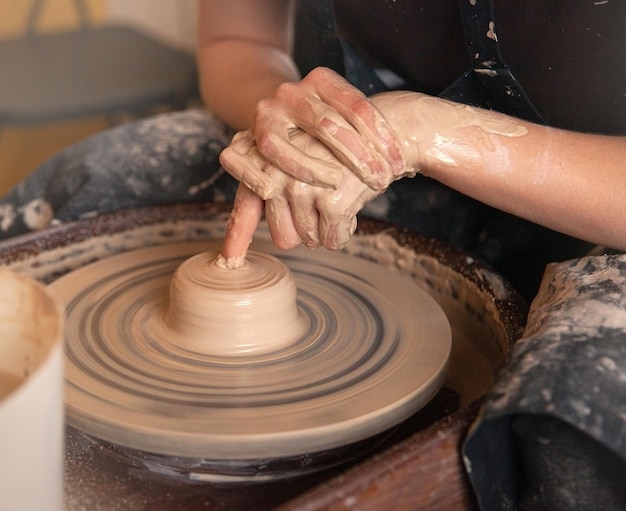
(236, 74)
(571, 182)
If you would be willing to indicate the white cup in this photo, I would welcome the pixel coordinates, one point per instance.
(31, 396)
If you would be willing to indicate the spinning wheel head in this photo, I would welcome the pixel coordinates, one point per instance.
(367, 348)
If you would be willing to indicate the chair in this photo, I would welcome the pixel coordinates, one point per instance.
(93, 70)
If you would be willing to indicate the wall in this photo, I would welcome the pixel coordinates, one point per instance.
(56, 15)
(24, 149)
(172, 20)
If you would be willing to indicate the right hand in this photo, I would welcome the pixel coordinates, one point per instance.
(339, 116)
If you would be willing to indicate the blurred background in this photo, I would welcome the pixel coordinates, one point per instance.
(24, 146)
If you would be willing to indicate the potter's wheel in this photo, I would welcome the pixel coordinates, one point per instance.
(374, 350)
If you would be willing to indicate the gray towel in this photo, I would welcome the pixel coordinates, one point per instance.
(552, 432)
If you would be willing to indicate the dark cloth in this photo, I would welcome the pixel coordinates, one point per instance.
(552, 434)
(170, 158)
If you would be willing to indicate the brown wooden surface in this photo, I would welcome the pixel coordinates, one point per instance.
(424, 472)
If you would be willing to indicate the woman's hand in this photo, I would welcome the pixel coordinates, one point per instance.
(332, 111)
(318, 152)
(317, 169)
(313, 186)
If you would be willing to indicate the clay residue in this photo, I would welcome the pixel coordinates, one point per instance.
(230, 263)
(445, 119)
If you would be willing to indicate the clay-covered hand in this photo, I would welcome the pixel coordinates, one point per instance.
(332, 111)
(303, 210)
(296, 212)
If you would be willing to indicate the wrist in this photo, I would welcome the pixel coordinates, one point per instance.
(392, 106)
(427, 128)
(438, 136)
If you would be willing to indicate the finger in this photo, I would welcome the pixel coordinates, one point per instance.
(334, 221)
(302, 111)
(336, 230)
(280, 223)
(275, 143)
(351, 104)
(318, 115)
(304, 213)
(243, 161)
(338, 212)
(357, 154)
(241, 225)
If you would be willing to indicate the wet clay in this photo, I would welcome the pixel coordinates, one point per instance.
(233, 311)
(481, 129)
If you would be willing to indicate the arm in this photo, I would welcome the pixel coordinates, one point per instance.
(243, 54)
(248, 79)
(571, 182)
